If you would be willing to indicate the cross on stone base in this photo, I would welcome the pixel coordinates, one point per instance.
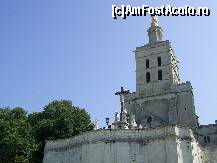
(121, 94)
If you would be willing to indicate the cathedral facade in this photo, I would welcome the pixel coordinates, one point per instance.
(156, 124)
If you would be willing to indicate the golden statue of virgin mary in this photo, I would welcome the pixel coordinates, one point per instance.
(154, 19)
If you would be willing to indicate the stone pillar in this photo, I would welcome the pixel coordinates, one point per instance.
(173, 111)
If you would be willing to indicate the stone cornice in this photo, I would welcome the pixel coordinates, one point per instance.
(174, 89)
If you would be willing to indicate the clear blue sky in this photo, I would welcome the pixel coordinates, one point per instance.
(64, 49)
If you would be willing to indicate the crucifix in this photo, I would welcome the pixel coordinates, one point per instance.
(121, 94)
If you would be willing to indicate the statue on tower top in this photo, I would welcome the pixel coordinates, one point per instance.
(154, 20)
(155, 32)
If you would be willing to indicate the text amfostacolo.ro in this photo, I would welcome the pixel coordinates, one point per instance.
(127, 10)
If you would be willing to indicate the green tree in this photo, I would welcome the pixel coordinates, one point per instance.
(59, 120)
(17, 143)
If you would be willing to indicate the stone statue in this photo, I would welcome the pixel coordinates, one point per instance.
(154, 20)
(96, 124)
(132, 121)
(117, 117)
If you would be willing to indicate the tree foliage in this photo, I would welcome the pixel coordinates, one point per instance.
(22, 136)
(59, 120)
(17, 143)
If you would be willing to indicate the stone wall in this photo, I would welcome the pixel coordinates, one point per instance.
(165, 145)
(207, 135)
(210, 154)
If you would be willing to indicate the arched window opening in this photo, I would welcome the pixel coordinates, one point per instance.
(159, 61)
(208, 139)
(205, 141)
(160, 76)
(148, 77)
(147, 63)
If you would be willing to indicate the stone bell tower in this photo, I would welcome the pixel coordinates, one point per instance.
(156, 64)
(160, 98)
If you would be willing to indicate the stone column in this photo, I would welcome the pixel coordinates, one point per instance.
(173, 111)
